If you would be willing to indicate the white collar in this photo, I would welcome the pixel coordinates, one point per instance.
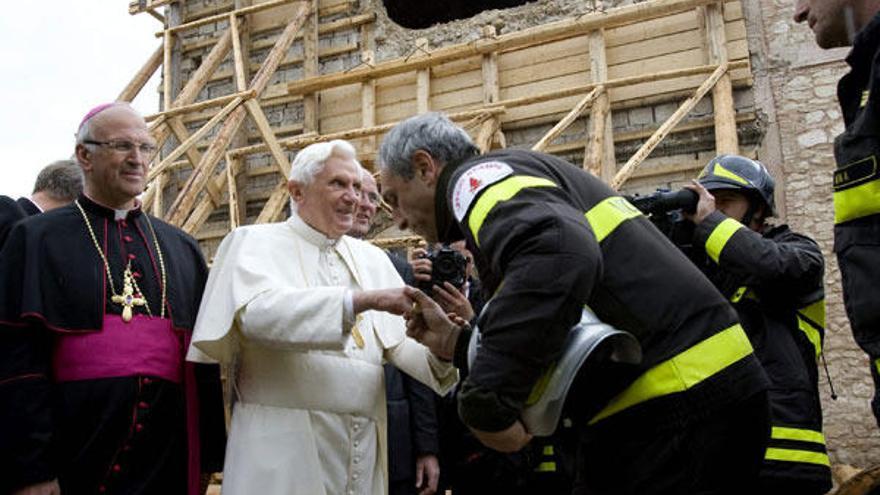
(309, 233)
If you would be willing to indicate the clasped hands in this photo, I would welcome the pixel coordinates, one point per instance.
(426, 321)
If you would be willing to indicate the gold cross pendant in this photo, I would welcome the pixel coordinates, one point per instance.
(127, 299)
(356, 334)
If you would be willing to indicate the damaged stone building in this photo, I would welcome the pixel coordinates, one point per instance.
(643, 93)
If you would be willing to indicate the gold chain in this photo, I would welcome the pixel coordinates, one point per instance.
(128, 267)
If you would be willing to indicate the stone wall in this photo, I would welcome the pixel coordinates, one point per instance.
(796, 81)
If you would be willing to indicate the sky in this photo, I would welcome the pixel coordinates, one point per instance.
(59, 59)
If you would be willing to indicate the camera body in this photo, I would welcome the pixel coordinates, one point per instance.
(447, 265)
(664, 208)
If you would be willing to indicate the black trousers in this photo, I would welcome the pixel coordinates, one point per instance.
(718, 454)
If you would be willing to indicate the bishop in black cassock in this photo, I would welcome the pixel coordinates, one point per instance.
(98, 403)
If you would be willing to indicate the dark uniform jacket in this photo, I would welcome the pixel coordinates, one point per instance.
(549, 238)
(857, 195)
(775, 281)
(124, 434)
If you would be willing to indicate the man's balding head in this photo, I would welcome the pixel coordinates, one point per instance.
(114, 149)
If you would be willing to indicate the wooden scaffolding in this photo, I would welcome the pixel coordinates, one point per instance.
(285, 54)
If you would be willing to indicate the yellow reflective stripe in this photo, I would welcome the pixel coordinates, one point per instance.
(791, 455)
(877, 365)
(546, 467)
(496, 193)
(608, 214)
(548, 450)
(799, 434)
(857, 202)
(739, 294)
(815, 312)
(540, 385)
(723, 172)
(812, 334)
(719, 237)
(684, 370)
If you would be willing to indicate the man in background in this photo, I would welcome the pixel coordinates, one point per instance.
(413, 443)
(856, 23)
(58, 184)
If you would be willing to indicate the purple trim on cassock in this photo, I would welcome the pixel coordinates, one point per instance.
(145, 346)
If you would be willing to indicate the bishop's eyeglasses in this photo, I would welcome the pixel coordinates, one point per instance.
(122, 146)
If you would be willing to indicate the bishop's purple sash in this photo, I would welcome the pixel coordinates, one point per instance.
(143, 347)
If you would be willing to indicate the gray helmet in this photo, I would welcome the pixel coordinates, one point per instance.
(739, 172)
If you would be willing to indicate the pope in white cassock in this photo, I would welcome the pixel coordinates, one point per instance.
(303, 313)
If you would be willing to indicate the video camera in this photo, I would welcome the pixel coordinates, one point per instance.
(664, 208)
(447, 265)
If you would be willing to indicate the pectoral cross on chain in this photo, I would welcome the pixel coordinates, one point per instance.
(127, 299)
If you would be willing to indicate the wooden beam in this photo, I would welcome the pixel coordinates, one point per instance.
(599, 154)
(491, 87)
(241, 139)
(486, 133)
(423, 83)
(726, 140)
(520, 39)
(195, 107)
(221, 17)
(155, 15)
(237, 56)
(566, 121)
(311, 138)
(168, 44)
(310, 68)
(368, 106)
(158, 187)
(667, 126)
(197, 81)
(274, 205)
(137, 83)
(265, 129)
(139, 6)
(183, 204)
(196, 136)
(234, 220)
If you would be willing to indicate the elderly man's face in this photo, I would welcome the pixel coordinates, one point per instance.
(367, 206)
(412, 203)
(827, 19)
(329, 203)
(114, 178)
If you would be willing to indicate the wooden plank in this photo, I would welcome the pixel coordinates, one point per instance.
(310, 68)
(183, 204)
(491, 86)
(544, 70)
(140, 79)
(237, 55)
(368, 104)
(566, 121)
(222, 17)
(136, 7)
(195, 107)
(527, 37)
(726, 140)
(575, 46)
(265, 129)
(485, 135)
(167, 45)
(627, 170)
(274, 205)
(194, 138)
(197, 80)
(423, 82)
(599, 153)
(157, 208)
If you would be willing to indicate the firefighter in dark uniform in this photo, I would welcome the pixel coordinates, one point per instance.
(857, 178)
(774, 278)
(549, 238)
